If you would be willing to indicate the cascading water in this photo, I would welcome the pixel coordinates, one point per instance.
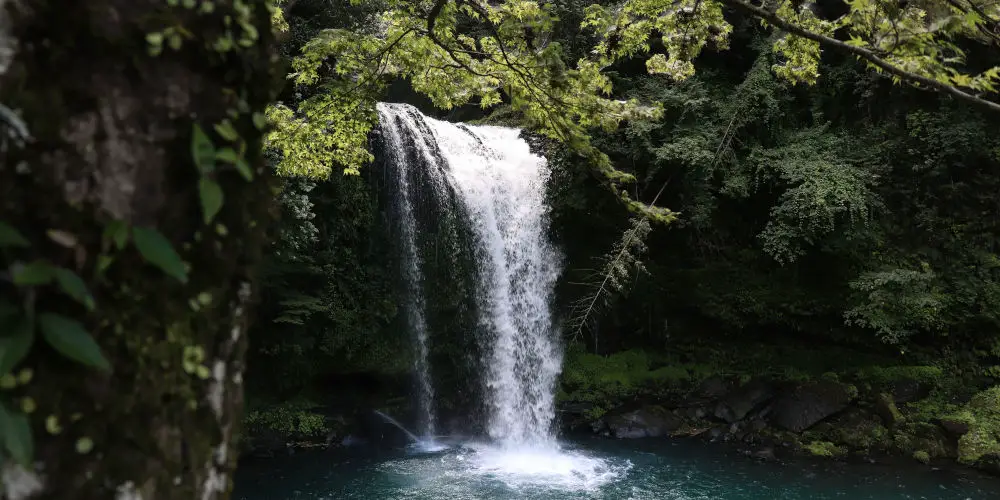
(500, 189)
(402, 131)
(502, 186)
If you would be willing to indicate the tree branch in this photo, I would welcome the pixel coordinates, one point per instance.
(863, 53)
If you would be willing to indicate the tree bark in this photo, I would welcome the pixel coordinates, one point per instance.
(110, 140)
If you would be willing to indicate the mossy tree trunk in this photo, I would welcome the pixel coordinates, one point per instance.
(110, 91)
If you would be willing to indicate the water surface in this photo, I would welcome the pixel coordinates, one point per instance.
(612, 470)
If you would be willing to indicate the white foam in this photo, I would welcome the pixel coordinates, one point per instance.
(544, 466)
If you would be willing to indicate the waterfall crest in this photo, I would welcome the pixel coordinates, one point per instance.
(500, 186)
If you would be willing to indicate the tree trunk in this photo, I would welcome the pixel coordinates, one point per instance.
(111, 120)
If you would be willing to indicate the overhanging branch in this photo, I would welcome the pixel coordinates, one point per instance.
(863, 53)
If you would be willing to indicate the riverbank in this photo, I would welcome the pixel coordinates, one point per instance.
(770, 401)
(807, 407)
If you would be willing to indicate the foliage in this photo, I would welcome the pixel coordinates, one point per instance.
(329, 293)
(295, 418)
(983, 413)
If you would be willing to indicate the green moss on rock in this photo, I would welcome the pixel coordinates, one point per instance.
(922, 456)
(878, 375)
(824, 449)
(982, 414)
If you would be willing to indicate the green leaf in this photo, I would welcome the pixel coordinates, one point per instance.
(74, 287)
(244, 169)
(68, 337)
(34, 273)
(259, 120)
(227, 131)
(211, 198)
(228, 155)
(116, 231)
(17, 438)
(202, 150)
(156, 249)
(103, 261)
(14, 346)
(10, 237)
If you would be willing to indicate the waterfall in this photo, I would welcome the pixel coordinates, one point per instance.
(406, 147)
(500, 186)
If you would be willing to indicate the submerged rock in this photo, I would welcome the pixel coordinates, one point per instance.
(765, 454)
(808, 404)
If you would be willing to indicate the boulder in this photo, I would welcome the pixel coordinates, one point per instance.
(713, 387)
(907, 390)
(765, 454)
(989, 463)
(885, 407)
(810, 403)
(954, 426)
(737, 404)
(650, 421)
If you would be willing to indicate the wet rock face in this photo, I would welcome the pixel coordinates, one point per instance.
(737, 404)
(651, 421)
(808, 404)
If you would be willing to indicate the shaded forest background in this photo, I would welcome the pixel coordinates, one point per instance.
(846, 227)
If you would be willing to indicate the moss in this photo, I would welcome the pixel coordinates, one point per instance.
(888, 405)
(982, 413)
(922, 456)
(911, 437)
(863, 434)
(824, 449)
(291, 419)
(880, 375)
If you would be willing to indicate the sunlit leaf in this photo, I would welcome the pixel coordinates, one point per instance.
(227, 131)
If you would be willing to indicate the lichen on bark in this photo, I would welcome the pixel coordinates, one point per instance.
(111, 126)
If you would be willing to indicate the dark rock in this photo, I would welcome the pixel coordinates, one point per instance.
(695, 413)
(715, 433)
(743, 400)
(906, 390)
(956, 428)
(910, 437)
(713, 387)
(766, 454)
(808, 404)
(758, 425)
(858, 430)
(989, 463)
(885, 407)
(650, 421)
